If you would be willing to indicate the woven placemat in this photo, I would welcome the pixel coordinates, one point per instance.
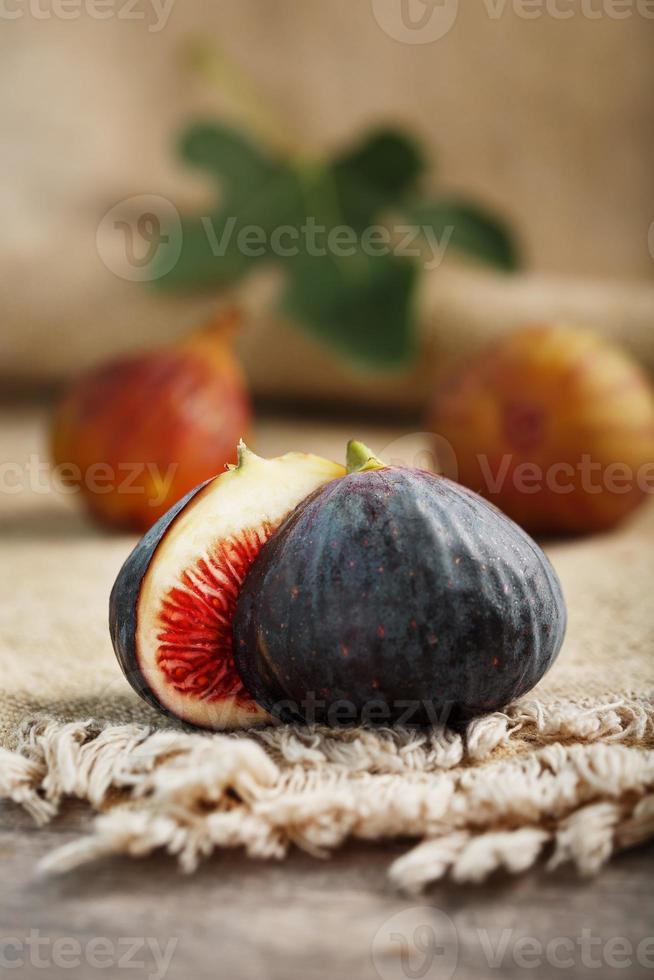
(564, 775)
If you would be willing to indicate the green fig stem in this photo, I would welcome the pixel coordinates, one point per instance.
(243, 454)
(252, 107)
(360, 459)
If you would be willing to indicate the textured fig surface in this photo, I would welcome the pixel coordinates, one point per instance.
(542, 421)
(159, 423)
(172, 605)
(396, 595)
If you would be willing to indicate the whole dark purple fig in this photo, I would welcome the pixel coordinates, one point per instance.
(395, 595)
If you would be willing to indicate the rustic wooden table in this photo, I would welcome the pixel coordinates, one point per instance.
(237, 919)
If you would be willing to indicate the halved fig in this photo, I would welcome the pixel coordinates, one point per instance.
(173, 602)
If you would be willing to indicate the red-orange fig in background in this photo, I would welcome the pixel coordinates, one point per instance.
(555, 425)
(139, 432)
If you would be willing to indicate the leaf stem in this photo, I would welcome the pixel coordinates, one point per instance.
(256, 112)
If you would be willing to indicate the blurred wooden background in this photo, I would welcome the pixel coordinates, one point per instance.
(545, 119)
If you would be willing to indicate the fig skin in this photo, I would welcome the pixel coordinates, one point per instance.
(144, 430)
(395, 595)
(524, 416)
(124, 598)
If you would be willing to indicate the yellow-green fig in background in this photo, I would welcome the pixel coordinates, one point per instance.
(553, 424)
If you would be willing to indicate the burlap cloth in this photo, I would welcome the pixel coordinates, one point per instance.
(567, 774)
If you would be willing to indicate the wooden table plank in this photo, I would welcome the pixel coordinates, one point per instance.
(237, 919)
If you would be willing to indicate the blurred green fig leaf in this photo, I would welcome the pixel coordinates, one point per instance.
(471, 230)
(360, 306)
(376, 174)
(322, 223)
